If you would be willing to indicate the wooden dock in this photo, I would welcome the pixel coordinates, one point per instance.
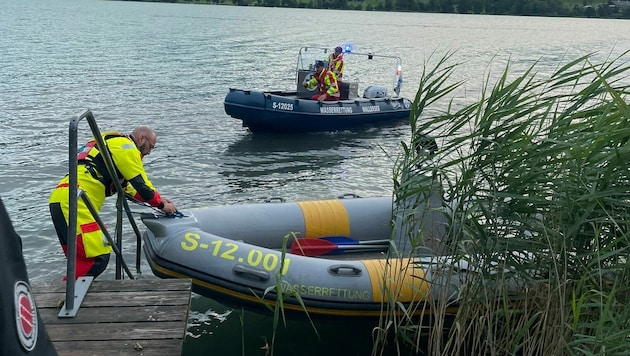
(119, 317)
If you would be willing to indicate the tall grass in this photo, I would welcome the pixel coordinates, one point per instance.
(534, 182)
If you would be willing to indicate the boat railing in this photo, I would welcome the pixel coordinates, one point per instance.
(321, 52)
(77, 289)
(308, 54)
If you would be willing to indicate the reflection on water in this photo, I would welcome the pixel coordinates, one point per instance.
(252, 332)
(269, 161)
(275, 160)
(239, 331)
(201, 322)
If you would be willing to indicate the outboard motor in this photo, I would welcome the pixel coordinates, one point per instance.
(374, 92)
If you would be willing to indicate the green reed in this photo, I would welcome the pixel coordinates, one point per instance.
(534, 188)
(282, 290)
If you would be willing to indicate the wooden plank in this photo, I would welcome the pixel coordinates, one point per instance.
(129, 285)
(116, 315)
(116, 331)
(119, 317)
(120, 298)
(127, 347)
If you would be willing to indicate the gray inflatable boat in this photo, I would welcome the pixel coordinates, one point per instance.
(332, 253)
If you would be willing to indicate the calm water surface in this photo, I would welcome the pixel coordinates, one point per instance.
(170, 66)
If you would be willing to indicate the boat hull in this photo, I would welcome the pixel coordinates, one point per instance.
(281, 111)
(238, 254)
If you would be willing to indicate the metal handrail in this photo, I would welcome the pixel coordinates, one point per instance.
(301, 65)
(74, 193)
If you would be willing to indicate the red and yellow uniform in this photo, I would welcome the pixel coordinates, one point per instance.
(335, 63)
(93, 179)
(326, 82)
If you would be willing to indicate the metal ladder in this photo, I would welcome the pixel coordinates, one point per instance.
(76, 290)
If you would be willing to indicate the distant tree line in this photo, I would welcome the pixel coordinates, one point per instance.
(611, 9)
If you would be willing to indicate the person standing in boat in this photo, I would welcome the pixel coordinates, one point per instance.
(335, 63)
(326, 81)
(94, 180)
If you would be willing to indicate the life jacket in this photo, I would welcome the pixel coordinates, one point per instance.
(327, 82)
(89, 156)
(336, 65)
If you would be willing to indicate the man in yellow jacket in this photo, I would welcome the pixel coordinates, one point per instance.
(93, 179)
(325, 81)
(335, 63)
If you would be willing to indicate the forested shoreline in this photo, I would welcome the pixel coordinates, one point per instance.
(554, 8)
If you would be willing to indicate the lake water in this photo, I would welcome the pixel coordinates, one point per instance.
(170, 65)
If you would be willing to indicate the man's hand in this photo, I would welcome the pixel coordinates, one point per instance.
(321, 97)
(169, 208)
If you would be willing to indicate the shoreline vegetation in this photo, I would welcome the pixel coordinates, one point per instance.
(550, 8)
(534, 181)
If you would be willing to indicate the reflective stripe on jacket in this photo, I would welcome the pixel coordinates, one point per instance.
(127, 163)
(326, 81)
(336, 65)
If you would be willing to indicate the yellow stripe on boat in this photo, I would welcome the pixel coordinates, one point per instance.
(396, 276)
(288, 306)
(325, 218)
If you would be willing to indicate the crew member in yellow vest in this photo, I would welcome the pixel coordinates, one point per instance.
(335, 63)
(93, 179)
(326, 83)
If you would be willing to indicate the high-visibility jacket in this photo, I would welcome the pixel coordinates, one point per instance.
(336, 64)
(127, 163)
(326, 81)
(95, 181)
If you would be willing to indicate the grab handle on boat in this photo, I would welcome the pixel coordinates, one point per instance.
(348, 196)
(345, 270)
(275, 200)
(249, 273)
